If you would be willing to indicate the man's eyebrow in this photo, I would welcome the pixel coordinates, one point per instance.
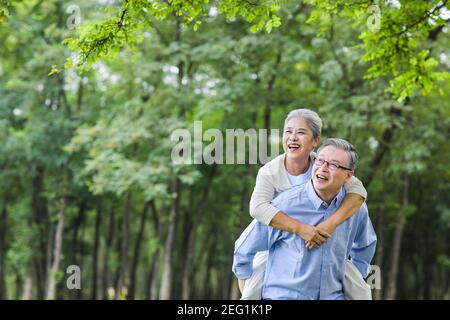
(332, 160)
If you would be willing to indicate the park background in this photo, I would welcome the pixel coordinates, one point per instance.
(86, 176)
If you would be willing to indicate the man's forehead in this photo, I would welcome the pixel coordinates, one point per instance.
(333, 154)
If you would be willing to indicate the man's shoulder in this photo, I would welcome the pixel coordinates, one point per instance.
(363, 209)
(362, 212)
(290, 194)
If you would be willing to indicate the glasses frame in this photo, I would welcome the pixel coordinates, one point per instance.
(329, 163)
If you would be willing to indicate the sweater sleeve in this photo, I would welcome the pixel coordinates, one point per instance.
(260, 207)
(354, 185)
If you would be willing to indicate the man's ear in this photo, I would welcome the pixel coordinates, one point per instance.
(349, 174)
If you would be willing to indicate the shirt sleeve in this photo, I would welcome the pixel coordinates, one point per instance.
(363, 248)
(354, 185)
(260, 207)
(253, 239)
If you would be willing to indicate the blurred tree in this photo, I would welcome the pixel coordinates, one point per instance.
(86, 171)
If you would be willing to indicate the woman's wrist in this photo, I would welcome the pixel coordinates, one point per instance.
(299, 228)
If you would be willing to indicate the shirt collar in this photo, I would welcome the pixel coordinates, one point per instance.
(318, 202)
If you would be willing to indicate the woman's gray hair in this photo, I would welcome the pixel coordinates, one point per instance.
(312, 120)
(343, 145)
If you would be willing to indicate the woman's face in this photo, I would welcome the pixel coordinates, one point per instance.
(298, 139)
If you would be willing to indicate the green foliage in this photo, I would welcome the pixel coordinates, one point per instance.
(104, 40)
(5, 9)
(91, 142)
(21, 248)
(396, 48)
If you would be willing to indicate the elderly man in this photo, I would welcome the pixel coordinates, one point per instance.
(293, 271)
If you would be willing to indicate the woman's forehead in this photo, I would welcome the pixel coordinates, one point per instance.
(297, 123)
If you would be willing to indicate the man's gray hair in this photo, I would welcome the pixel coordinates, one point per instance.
(343, 145)
(312, 120)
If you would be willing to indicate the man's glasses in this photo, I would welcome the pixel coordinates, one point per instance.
(331, 165)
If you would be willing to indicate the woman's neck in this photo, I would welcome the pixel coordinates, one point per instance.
(296, 166)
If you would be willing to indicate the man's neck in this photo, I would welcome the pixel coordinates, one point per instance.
(326, 195)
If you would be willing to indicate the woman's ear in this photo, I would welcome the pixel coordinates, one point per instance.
(316, 142)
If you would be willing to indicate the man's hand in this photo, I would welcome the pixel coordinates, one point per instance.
(327, 228)
(241, 283)
(313, 236)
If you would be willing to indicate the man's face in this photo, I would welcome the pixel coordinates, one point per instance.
(328, 180)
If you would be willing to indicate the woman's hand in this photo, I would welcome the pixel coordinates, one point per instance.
(327, 228)
(313, 236)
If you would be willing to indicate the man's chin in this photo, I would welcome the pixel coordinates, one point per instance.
(320, 185)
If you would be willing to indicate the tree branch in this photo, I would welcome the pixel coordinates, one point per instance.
(427, 15)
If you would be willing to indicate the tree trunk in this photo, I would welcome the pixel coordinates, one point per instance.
(3, 230)
(187, 245)
(80, 245)
(166, 282)
(429, 259)
(80, 95)
(76, 228)
(209, 292)
(378, 293)
(98, 221)
(19, 284)
(152, 284)
(396, 245)
(49, 250)
(235, 294)
(40, 216)
(121, 282)
(27, 288)
(118, 248)
(39, 276)
(57, 252)
(108, 245)
(199, 212)
(137, 250)
(418, 280)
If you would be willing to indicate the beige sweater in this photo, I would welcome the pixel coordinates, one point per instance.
(272, 179)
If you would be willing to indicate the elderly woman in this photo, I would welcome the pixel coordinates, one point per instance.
(302, 129)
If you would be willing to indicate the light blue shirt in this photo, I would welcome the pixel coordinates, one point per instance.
(295, 272)
(301, 178)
